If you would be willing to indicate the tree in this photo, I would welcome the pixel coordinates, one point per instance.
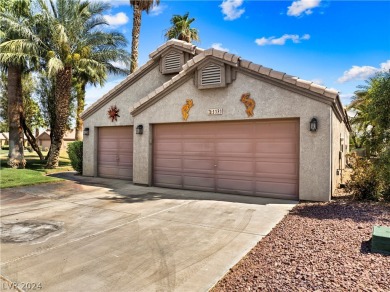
(181, 29)
(68, 28)
(138, 7)
(372, 106)
(15, 16)
(105, 49)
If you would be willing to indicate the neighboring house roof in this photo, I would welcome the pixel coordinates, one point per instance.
(318, 92)
(45, 135)
(129, 80)
(4, 135)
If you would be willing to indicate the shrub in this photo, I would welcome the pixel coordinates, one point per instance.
(75, 152)
(383, 169)
(5, 147)
(365, 183)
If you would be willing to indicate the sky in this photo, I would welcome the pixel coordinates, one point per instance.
(338, 44)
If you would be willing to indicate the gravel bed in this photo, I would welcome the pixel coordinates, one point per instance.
(317, 247)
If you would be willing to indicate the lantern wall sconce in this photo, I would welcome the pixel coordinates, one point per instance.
(86, 131)
(313, 125)
(139, 130)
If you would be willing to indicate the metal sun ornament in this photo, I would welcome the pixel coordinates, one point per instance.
(113, 113)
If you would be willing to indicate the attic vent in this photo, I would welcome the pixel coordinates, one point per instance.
(211, 75)
(173, 61)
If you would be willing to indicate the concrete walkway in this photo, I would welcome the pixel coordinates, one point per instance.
(93, 234)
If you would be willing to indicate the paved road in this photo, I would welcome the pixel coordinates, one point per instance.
(93, 234)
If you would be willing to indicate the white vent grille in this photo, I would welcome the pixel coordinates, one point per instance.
(172, 61)
(211, 75)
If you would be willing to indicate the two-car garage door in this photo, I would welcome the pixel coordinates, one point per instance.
(258, 158)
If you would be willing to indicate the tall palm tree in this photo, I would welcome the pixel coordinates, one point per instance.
(15, 16)
(67, 29)
(181, 29)
(106, 49)
(138, 7)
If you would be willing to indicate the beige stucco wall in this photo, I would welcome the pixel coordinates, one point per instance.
(123, 101)
(340, 142)
(271, 102)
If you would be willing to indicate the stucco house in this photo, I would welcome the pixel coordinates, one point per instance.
(208, 120)
(43, 139)
(4, 139)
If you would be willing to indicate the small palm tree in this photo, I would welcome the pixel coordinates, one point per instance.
(138, 7)
(181, 29)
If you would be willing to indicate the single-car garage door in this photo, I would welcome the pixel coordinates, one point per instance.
(259, 158)
(115, 152)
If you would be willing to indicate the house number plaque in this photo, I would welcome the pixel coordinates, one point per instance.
(215, 111)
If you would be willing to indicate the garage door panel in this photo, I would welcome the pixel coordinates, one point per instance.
(277, 167)
(167, 163)
(169, 147)
(250, 158)
(115, 152)
(198, 164)
(198, 182)
(232, 147)
(238, 185)
(276, 188)
(168, 180)
(196, 146)
(236, 166)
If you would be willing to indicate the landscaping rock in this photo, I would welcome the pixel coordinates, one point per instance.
(317, 247)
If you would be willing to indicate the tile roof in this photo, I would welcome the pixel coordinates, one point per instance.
(128, 80)
(236, 61)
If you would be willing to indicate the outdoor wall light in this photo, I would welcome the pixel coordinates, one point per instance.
(313, 125)
(139, 130)
(86, 131)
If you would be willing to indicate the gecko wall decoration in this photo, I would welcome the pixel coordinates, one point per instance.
(249, 103)
(113, 113)
(185, 110)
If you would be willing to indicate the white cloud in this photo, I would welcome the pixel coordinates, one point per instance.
(157, 10)
(218, 46)
(117, 19)
(385, 66)
(281, 40)
(231, 9)
(302, 6)
(363, 72)
(317, 81)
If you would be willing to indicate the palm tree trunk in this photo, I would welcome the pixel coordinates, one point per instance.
(137, 14)
(30, 137)
(15, 107)
(80, 91)
(62, 97)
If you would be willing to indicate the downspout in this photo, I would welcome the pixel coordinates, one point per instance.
(331, 153)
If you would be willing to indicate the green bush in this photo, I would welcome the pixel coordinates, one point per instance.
(365, 183)
(75, 152)
(5, 147)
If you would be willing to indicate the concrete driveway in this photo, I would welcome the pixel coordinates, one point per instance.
(93, 234)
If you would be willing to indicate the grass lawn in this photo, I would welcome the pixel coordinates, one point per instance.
(35, 172)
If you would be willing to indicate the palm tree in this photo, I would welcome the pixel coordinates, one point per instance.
(138, 7)
(69, 35)
(181, 29)
(15, 17)
(106, 49)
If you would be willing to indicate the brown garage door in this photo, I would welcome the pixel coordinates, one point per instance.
(258, 158)
(115, 152)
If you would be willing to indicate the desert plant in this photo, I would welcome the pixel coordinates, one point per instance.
(75, 152)
(365, 183)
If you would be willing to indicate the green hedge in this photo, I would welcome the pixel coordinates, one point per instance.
(75, 152)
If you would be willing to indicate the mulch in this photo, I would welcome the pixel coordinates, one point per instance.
(317, 247)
